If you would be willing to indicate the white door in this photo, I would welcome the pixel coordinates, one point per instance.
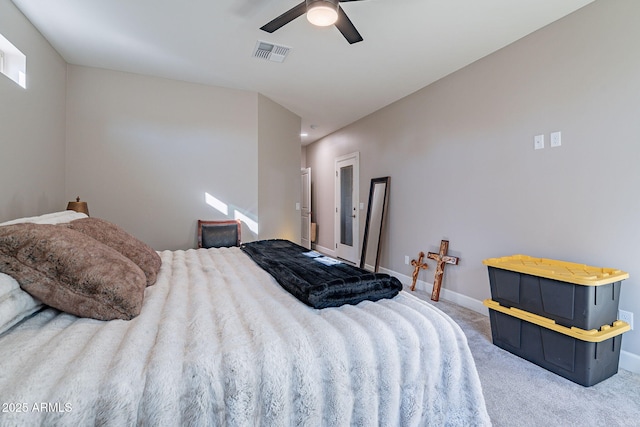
(347, 215)
(305, 208)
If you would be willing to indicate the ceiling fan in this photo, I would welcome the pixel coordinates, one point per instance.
(321, 13)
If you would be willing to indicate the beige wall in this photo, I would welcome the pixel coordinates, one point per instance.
(462, 165)
(143, 151)
(278, 171)
(32, 131)
(303, 157)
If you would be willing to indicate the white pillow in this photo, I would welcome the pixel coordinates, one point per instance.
(15, 304)
(50, 218)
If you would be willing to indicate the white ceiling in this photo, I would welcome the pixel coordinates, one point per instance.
(407, 45)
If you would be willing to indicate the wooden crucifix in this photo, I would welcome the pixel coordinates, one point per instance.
(418, 265)
(442, 259)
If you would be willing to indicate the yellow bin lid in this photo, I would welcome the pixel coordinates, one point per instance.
(592, 335)
(563, 271)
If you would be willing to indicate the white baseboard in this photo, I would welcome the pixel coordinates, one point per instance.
(445, 294)
(326, 251)
(628, 361)
(332, 254)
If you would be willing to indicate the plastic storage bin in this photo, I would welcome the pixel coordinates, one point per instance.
(582, 356)
(569, 293)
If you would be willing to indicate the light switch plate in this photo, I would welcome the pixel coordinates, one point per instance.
(538, 142)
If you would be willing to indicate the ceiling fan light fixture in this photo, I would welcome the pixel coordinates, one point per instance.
(322, 13)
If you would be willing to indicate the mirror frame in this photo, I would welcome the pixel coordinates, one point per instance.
(365, 246)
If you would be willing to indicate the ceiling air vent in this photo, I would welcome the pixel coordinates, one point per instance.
(270, 51)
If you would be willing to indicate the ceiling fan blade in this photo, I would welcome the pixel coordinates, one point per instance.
(285, 18)
(347, 28)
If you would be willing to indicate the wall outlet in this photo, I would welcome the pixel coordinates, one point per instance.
(626, 316)
(538, 142)
(556, 139)
(406, 259)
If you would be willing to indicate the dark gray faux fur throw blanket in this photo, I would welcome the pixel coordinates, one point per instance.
(317, 284)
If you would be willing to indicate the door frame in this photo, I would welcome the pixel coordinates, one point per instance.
(350, 255)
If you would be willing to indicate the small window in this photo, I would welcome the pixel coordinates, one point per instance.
(13, 63)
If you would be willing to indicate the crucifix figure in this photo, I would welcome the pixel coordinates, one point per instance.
(442, 259)
(418, 265)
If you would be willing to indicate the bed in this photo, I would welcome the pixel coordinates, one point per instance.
(218, 342)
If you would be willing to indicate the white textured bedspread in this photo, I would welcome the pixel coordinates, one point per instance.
(220, 343)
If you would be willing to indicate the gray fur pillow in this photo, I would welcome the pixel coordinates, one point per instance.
(71, 271)
(115, 237)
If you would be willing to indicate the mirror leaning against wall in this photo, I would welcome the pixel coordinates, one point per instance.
(372, 242)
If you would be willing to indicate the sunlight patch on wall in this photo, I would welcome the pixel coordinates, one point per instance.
(216, 204)
(253, 226)
(13, 63)
(223, 208)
